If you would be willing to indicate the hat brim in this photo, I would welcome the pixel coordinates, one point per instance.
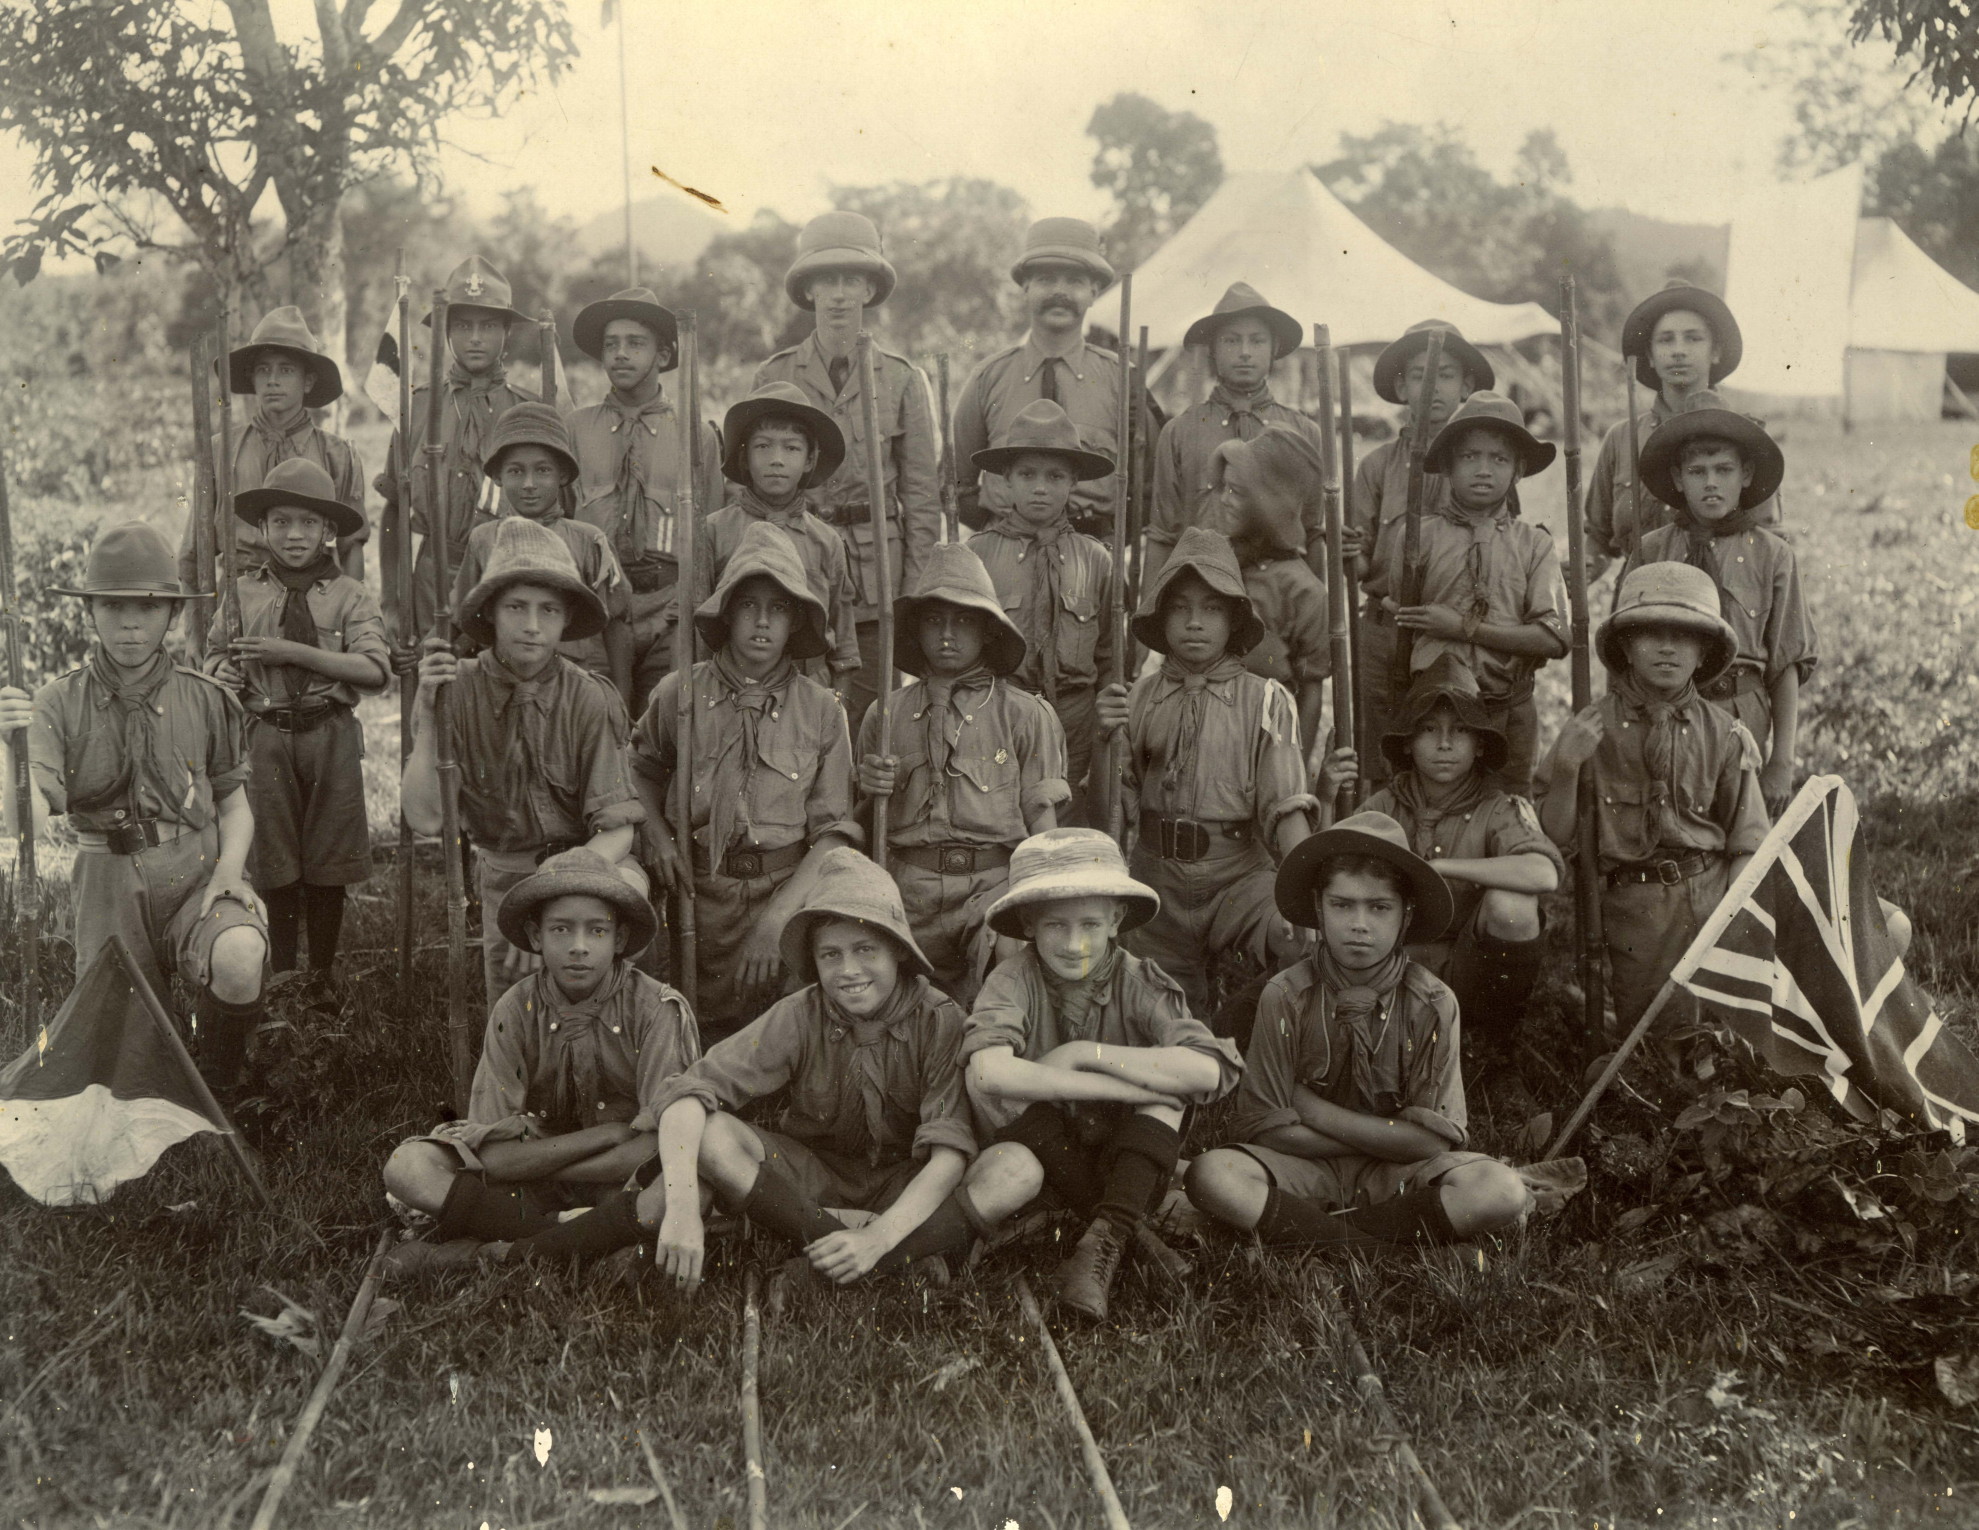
(825, 435)
(1721, 647)
(508, 315)
(1535, 455)
(491, 466)
(251, 505)
(1287, 335)
(1715, 311)
(794, 943)
(1006, 915)
(587, 612)
(1066, 254)
(1246, 631)
(1664, 450)
(1297, 896)
(839, 258)
(1393, 363)
(588, 330)
(810, 640)
(326, 384)
(1398, 744)
(177, 592)
(526, 900)
(1003, 648)
(1086, 465)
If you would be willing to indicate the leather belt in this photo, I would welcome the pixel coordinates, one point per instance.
(132, 838)
(300, 719)
(1741, 680)
(953, 860)
(747, 865)
(1670, 872)
(1184, 839)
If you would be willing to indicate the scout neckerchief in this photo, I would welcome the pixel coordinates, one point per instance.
(279, 441)
(1242, 410)
(576, 1083)
(474, 412)
(1660, 718)
(642, 528)
(1424, 818)
(941, 731)
(1175, 732)
(1041, 599)
(868, 1055)
(1481, 529)
(1075, 999)
(753, 700)
(524, 708)
(789, 515)
(1701, 544)
(297, 625)
(134, 698)
(1364, 1001)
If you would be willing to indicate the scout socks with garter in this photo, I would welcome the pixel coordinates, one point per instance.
(949, 1229)
(1417, 1217)
(610, 1225)
(473, 1209)
(223, 1030)
(1068, 1167)
(1495, 978)
(1138, 1163)
(775, 1203)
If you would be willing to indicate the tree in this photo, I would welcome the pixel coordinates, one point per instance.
(1158, 166)
(1852, 97)
(1940, 36)
(1934, 197)
(952, 242)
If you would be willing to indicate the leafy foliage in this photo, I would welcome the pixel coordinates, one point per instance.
(1158, 166)
(1941, 36)
(1934, 197)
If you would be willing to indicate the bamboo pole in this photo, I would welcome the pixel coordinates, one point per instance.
(226, 538)
(686, 913)
(950, 517)
(1349, 589)
(1339, 638)
(1068, 1397)
(546, 335)
(27, 884)
(1587, 861)
(1138, 501)
(205, 523)
(1410, 593)
(402, 577)
(752, 1409)
(1634, 539)
(869, 403)
(1105, 792)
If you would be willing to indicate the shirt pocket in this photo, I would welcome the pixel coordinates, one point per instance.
(985, 801)
(1632, 830)
(779, 787)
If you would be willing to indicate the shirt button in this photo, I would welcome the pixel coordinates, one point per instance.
(553, 1025)
(119, 813)
(615, 1030)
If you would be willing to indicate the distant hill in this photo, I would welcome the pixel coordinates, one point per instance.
(670, 230)
(1647, 250)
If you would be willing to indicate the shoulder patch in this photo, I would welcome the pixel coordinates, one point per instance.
(1528, 818)
(1155, 977)
(1748, 745)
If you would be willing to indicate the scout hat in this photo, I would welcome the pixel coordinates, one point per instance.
(1491, 411)
(131, 559)
(1072, 240)
(299, 484)
(476, 284)
(769, 551)
(781, 400)
(579, 873)
(526, 553)
(1371, 834)
(839, 241)
(955, 576)
(1209, 557)
(640, 303)
(1242, 301)
(285, 330)
(1280, 472)
(1641, 323)
(1044, 426)
(1669, 595)
(530, 424)
(1070, 863)
(849, 887)
(1447, 682)
(1706, 418)
(1393, 362)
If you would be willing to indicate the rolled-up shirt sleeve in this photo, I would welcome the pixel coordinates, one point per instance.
(1279, 767)
(944, 1106)
(1436, 1093)
(757, 1060)
(1002, 1016)
(1273, 1065)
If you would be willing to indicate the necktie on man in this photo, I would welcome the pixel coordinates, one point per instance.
(1048, 380)
(840, 368)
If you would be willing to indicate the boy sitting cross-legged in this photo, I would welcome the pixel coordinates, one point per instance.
(1351, 1114)
(1082, 1058)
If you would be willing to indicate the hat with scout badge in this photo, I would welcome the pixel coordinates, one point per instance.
(1298, 887)
(839, 241)
(579, 873)
(526, 553)
(284, 330)
(299, 484)
(1705, 418)
(1392, 365)
(1448, 682)
(955, 576)
(641, 304)
(1485, 410)
(1243, 301)
(781, 401)
(1044, 426)
(849, 887)
(476, 284)
(133, 561)
(1640, 325)
(1669, 595)
(768, 550)
(1208, 556)
(1070, 863)
(1278, 472)
(530, 424)
(1069, 241)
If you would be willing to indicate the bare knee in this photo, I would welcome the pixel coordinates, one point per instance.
(235, 968)
(730, 1155)
(1509, 916)
(1004, 1178)
(1483, 1197)
(1228, 1185)
(421, 1174)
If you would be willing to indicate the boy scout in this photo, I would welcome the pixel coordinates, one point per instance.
(311, 640)
(979, 764)
(778, 447)
(568, 1089)
(1718, 470)
(288, 376)
(1491, 589)
(839, 273)
(1213, 757)
(1082, 1058)
(1055, 579)
(530, 457)
(147, 759)
(772, 775)
(1677, 800)
(630, 476)
(1244, 336)
(1351, 1117)
(541, 742)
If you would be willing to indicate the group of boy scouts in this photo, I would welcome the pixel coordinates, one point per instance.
(888, 1069)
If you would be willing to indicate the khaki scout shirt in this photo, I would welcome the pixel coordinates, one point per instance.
(1006, 762)
(1760, 579)
(881, 1090)
(1184, 494)
(909, 461)
(470, 496)
(1007, 383)
(827, 565)
(347, 620)
(1381, 491)
(257, 449)
(1243, 766)
(1298, 1041)
(198, 752)
(542, 762)
(1487, 826)
(1612, 528)
(599, 434)
(1297, 648)
(596, 564)
(1085, 575)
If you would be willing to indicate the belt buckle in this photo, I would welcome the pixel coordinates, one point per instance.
(957, 860)
(1669, 873)
(1191, 840)
(132, 838)
(742, 865)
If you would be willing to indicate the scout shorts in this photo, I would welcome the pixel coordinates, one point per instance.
(837, 1179)
(152, 899)
(1353, 1182)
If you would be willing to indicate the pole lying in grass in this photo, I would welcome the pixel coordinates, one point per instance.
(869, 405)
(1106, 789)
(1102, 1480)
(27, 885)
(319, 1399)
(402, 572)
(752, 1411)
(674, 1517)
(687, 939)
(1410, 594)
(1348, 590)
(1587, 863)
(1340, 643)
(951, 521)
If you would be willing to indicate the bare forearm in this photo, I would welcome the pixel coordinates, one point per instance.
(1312, 703)
(925, 1191)
(790, 897)
(1786, 718)
(1375, 1136)
(1530, 639)
(543, 1157)
(612, 845)
(419, 782)
(236, 834)
(681, 1128)
(367, 674)
(1010, 1077)
(1559, 808)
(1527, 873)
(612, 1166)
(1179, 1071)
(1304, 1142)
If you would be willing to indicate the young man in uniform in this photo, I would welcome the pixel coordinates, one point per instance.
(839, 273)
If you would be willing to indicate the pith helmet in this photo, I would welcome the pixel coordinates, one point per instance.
(955, 576)
(1669, 595)
(1070, 863)
(526, 553)
(285, 330)
(839, 241)
(849, 887)
(299, 484)
(1071, 240)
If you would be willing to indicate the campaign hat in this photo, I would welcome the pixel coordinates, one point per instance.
(1704, 417)
(1492, 411)
(638, 303)
(1043, 426)
(299, 484)
(1371, 834)
(285, 330)
(1243, 301)
(1448, 681)
(1392, 365)
(1641, 324)
(578, 873)
(784, 400)
(475, 283)
(131, 559)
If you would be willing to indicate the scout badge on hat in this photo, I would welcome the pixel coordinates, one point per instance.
(849, 887)
(769, 551)
(1669, 595)
(1447, 682)
(1072, 241)
(1279, 473)
(638, 303)
(526, 553)
(1704, 417)
(299, 484)
(131, 560)
(1492, 411)
(1044, 426)
(781, 400)
(1393, 363)
(530, 424)
(1070, 863)
(1210, 558)
(954, 575)
(1243, 301)
(579, 873)
(284, 330)
(839, 241)
(476, 284)
(1372, 834)
(1708, 306)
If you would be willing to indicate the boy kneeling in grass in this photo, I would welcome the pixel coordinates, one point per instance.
(1083, 1057)
(1351, 1112)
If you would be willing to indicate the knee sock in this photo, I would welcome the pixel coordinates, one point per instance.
(774, 1202)
(1138, 1163)
(323, 908)
(610, 1225)
(1068, 1168)
(1497, 981)
(284, 925)
(1415, 1217)
(475, 1209)
(223, 1032)
(949, 1229)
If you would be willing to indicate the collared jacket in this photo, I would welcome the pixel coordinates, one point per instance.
(600, 434)
(259, 447)
(1084, 576)
(1003, 386)
(827, 565)
(1759, 580)
(1242, 765)
(1184, 493)
(1381, 491)
(347, 620)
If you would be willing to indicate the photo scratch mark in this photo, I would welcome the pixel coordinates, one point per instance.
(692, 191)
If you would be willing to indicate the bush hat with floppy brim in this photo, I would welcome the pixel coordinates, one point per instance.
(1044, 427)
(1070, 863)
(526, 553)
(1392, 365)
(781, 401)
(955, 576)
(1448, 682)
(1380, 837)
(1208, 556)
(1278, 473)
(133, 562)
(849, 887)
(1243, 301)
(474, 283)
(640, 304)
(767, 550)
(1662, 453)
(839, 241)
(1065, 241)
(579, 873)
(299, 484)
(1485, 410)
(286, 331)
(530, 424)
(1669, 595)
(1708, 306)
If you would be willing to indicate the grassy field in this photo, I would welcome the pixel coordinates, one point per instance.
(1620, 1365)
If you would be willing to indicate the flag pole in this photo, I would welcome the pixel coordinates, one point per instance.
(401, 532)
(1587, 861)
(875, 466)
(618, 8)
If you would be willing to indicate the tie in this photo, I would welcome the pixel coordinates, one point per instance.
(840, 368)
(1048, 379)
